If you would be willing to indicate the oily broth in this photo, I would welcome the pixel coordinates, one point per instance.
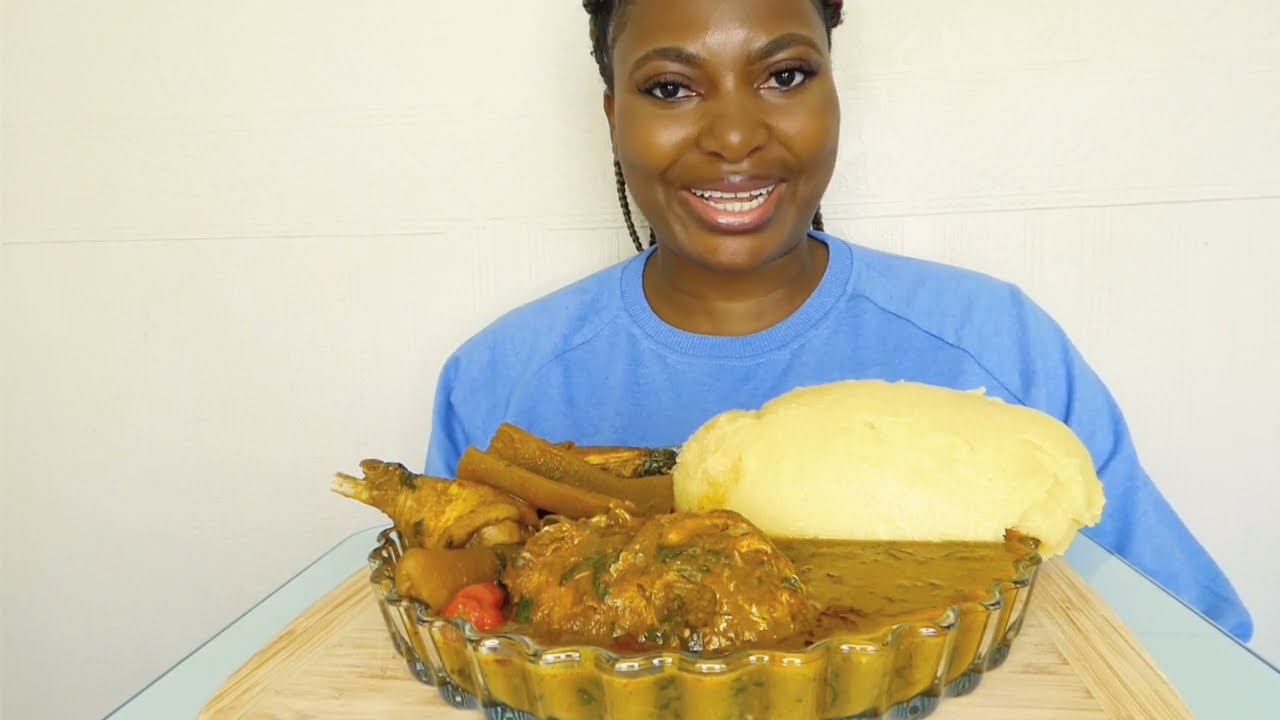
(862, 586)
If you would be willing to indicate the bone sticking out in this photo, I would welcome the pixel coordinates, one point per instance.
(350, 487)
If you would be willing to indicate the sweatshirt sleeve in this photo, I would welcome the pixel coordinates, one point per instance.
(1138, 523)
(471, 397)
(448, 438)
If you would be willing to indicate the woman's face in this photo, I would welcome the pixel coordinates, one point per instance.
(725, 120)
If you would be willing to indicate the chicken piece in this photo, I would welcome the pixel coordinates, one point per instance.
(706, 582)
(433, 513)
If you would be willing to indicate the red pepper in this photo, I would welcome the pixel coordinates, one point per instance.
(479, 604)
(488, 593)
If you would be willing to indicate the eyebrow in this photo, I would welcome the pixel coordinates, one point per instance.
(780, 43)
(685, 56)
(674, 54)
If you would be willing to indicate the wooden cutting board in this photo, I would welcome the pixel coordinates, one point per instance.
(1072, 660)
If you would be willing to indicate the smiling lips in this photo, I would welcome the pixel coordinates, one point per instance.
(735, 206)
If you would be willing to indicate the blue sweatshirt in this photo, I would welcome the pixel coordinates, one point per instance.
(593, 363)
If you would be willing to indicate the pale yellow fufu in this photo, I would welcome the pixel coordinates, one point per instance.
(875, 460)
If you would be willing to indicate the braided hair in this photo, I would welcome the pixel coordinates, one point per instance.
(605, 17)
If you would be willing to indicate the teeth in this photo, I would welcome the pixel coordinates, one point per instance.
(735, 202)
(737, 206)
(748, 195)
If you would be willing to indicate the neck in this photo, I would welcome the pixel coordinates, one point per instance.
(702, 300)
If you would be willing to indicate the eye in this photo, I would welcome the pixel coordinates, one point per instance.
(668, 90)
(788, 78)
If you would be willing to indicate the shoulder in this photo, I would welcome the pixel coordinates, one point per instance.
(934, 291)
(992, 320)
(477, 380)
(528, 336)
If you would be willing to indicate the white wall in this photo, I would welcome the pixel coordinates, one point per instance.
(238, 238)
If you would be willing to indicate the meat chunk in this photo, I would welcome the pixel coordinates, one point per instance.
(433, 513)
(703, 582)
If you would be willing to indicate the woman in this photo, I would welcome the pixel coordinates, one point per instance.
(724, 120)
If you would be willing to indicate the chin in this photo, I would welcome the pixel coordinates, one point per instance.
(725, 252)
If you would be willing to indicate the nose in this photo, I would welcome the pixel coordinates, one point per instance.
(734, 128)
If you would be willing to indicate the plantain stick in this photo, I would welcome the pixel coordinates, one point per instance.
(541, 492)
(652, 495)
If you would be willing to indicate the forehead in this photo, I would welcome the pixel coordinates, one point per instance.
(722, 24)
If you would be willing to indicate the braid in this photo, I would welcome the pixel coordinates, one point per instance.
(605, 18)
(626, 206)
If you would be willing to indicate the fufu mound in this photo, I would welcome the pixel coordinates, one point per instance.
(875, 460)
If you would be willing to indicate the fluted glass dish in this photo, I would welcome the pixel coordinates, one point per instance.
(900, 671)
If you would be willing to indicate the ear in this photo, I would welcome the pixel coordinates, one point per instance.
(608, 111)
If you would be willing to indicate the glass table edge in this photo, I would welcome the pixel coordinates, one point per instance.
(1089, 545)
(244, 654)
